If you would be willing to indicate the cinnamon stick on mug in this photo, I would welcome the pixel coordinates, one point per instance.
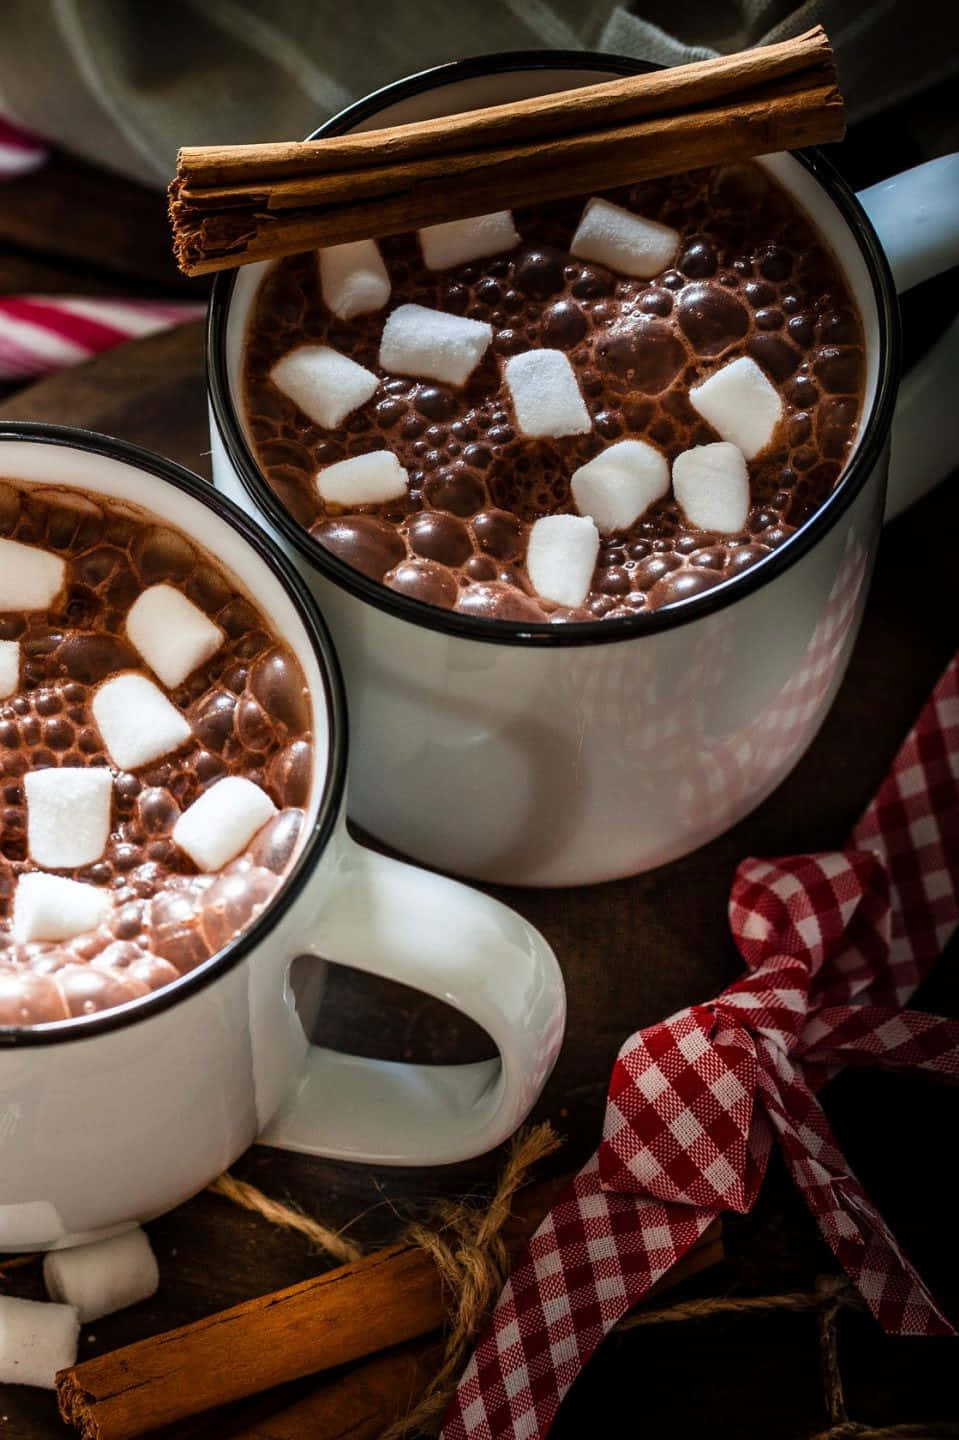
(392, 1296)
(230, 205)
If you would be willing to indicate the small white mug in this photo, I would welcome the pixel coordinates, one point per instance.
(567, 754)
(114, 1118)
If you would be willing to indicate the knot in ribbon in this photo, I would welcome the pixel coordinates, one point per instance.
(696, 1101)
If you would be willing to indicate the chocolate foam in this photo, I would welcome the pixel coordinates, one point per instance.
(249, 710)
(752, 277)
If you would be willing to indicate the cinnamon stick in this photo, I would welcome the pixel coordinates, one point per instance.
(232, 205)
(390, 1297)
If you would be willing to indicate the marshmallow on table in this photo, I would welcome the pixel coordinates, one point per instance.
(353, 278)
(623, 241)
(68, 815)
(102, 1277)
(561, 557)
(9, 667)
(433, 345)
(49, 907)
(171, 633)
(545, 394)
(711, 483)
(36, 1340)
(740, 404)
(619, 484)
(456, 241)
(324, 384)
(363, 480)
(137, 721)
(30, 578)
(222, 822)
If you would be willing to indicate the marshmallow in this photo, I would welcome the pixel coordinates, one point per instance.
(102, 1277)
(48, 907)
(68, 815)
(137, 721)
(561, 557)
(619, 484)
(222, 822)
(353, 278)
(711, 483)
(740, 404)
(433, 345)
(324, 384)
(545, 394)
(30, 578)
(457, 241)
(364, 480)
(36, 1340)
(9, 667)
(623, 241)
(171, 633)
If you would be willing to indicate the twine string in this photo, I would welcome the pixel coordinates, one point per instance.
(248, 1197)
(470, 1253)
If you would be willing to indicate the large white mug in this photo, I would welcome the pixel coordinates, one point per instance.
(112, 1118)
(566, 754)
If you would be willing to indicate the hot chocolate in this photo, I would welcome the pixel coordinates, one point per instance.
(429, 406)
(156, 754)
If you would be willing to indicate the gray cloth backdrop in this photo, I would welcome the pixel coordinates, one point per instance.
(125, 82)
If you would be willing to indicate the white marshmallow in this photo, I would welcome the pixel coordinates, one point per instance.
(222, 822)
(364, 480)
(561, 557)
(49, 907)
(457, 241)
(68, 815)
(623, 241)
(620, 483)
(36, 1340)
(105, 1276)
(433, 345)
(171, 633)
(545, 394)
(711, 483)
(30, 578)
(353, 278)
(137, 721)
(9, 667)
(324, 384)
(740, 404)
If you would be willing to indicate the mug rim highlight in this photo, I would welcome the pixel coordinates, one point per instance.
(84, 1027)
(875, 430)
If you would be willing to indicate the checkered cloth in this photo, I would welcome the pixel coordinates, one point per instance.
(834, 944)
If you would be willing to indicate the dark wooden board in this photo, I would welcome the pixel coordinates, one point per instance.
(631, 952)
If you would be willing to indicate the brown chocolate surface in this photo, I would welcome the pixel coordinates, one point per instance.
(249, 710)
(752, 277)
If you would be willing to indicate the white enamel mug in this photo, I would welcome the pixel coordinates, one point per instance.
(567, 754)
(116, 1117)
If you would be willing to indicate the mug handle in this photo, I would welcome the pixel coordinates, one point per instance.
(916, 216)
(397, 921)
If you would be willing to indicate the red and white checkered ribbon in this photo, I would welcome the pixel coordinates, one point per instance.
(834, 944)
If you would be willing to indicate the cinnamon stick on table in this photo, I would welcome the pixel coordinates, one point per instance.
(392, 1296)
(230, 205)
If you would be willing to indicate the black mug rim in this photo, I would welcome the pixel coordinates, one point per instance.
(84, 1027)
(875, 434)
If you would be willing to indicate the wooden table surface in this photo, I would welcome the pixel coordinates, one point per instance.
(631, 951)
